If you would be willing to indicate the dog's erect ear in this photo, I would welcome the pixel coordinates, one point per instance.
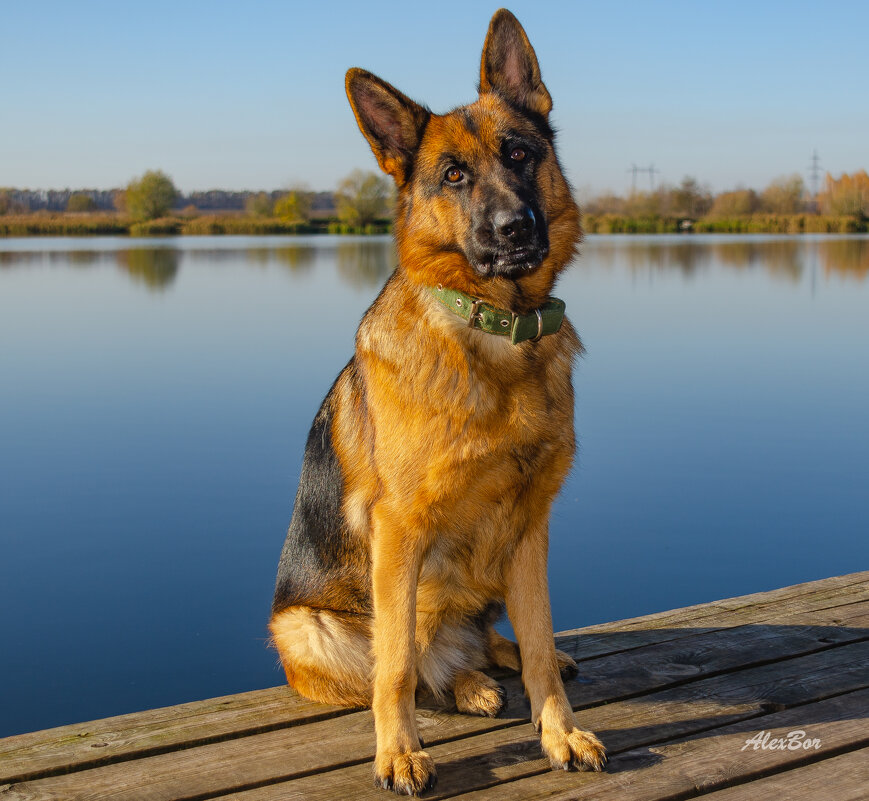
(509, 65)
(392, 123)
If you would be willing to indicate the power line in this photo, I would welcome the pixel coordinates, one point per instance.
(650, 170)
(815, 173)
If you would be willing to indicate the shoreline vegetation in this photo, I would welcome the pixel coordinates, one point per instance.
(362, 203)
(109, 224)
(113, 224)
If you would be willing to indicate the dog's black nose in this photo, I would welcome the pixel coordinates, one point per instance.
(515, 226)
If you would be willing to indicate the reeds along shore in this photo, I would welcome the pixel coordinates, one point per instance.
(96, 224)
(743, 224)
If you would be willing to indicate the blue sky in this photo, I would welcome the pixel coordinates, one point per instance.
(250, 95)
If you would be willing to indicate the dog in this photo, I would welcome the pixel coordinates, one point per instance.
(431, 466)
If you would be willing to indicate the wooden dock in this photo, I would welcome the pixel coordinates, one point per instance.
(674, 696)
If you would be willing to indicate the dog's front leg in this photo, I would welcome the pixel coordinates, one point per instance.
(400, 764)
(528, 607)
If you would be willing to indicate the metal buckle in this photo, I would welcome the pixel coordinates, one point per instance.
(475, 315)
(539, 326)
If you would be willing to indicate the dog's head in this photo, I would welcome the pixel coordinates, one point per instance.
(483, 206)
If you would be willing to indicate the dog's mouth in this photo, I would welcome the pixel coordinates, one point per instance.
(511, 263)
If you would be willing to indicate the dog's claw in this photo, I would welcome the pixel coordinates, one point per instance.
(502, 698)
(382, 783)
(569, 673)
(408, 773)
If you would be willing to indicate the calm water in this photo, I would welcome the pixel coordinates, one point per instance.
(155, 397)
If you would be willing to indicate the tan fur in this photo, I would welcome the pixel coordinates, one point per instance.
(326, 655)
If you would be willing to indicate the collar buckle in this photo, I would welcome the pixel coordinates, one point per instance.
(475, 314)
(539, 326)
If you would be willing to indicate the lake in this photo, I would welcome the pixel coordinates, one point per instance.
(155, 397)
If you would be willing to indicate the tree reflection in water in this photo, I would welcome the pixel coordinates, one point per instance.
(156, 268)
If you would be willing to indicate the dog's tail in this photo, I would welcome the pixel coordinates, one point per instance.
(325, 654)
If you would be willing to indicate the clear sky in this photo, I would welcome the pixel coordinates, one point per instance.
(250, 95)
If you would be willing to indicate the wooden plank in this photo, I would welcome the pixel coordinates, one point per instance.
(648, 667)
(592, 641)
(79, 746)
(511, 754)
(279, 755)
(776, 598)
(714, 760)
(841, 778)
(82, 745)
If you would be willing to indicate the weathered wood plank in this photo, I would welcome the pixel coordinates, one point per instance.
(596, 641)
(776, 598)
(712, 761)
(841, 778)
(270, 757)
(99, 742)
(511, 754)
(78, 746)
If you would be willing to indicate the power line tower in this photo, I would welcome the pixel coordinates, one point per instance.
(634, 170)
(815, 174)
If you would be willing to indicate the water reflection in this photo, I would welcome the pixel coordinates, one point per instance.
(365, 263)
(82, 258)
(156, 268)
(684, 254)
(782, 258)
(847, 257)
(298, 259)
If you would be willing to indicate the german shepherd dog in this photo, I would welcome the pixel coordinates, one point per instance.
(432, 464)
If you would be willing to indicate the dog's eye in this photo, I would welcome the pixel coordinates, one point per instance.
(454, 175)
(517, 154)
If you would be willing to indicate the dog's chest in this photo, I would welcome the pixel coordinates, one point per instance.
(482, 512)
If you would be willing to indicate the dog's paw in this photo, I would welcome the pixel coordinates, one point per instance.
(410, 773)
(576, 749)
(478, 694)
(566, 665)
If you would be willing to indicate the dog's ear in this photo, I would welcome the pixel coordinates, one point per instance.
(391, 122)
(509, 65)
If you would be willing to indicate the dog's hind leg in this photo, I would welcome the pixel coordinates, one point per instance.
(504, 653)
(325, 654)
(478, 694)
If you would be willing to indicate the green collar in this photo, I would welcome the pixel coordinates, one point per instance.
(519, 327)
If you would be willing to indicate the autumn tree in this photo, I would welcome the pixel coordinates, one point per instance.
(644, 204)
(784, 195)
(736, 203)
(150, 196)
(259, 204)
(79, 201)
(846, 197)
(689, 199)
(607, 203)
(294, 206)
(363, 197)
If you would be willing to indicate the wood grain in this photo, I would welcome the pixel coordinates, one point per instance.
(841, 778)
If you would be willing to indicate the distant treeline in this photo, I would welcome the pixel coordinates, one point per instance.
(24, 201)
(362, 203)
(842, 206)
